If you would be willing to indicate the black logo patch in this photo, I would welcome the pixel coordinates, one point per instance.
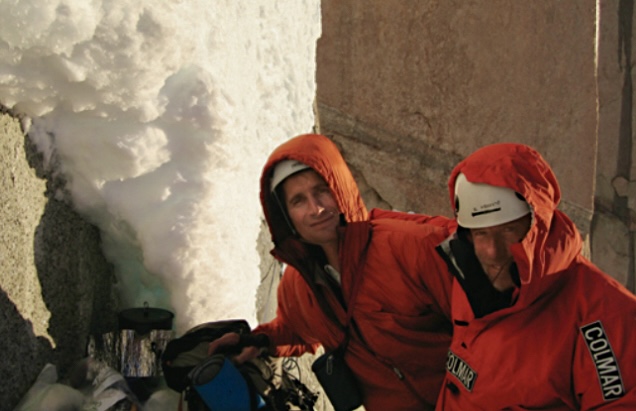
(609, 375)
(461, 370)
(492, 210)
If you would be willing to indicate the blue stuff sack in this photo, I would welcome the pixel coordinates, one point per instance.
(222, 387)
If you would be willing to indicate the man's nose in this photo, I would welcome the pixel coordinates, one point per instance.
(497, 248)
(316, 205)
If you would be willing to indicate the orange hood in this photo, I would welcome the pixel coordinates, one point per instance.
(553, 241)
(321, 154)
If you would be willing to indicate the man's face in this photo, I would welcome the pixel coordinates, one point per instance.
(492, 247)
(311, 207)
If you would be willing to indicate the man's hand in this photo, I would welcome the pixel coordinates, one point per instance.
(223, 342)
(240, 348)
(248, 353)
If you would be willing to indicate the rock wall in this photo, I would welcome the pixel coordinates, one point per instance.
(614, 220)
(56, 288)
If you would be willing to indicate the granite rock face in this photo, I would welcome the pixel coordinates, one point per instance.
(56, 288)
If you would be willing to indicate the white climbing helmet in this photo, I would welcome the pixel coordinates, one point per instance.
(479, 205)
(285, 169)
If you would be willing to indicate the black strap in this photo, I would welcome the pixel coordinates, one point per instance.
(356, 229)
(357, 280)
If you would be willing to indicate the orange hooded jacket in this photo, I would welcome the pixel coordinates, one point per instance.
(401, 311)
(568, 339)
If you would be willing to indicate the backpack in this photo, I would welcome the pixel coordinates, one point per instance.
(260, 384)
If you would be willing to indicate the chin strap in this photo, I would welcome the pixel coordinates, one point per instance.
(462, 262)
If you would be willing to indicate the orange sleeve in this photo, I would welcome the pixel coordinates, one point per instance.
(284, 342)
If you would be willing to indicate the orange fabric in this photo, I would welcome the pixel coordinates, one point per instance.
(402, 307)
(535, 354)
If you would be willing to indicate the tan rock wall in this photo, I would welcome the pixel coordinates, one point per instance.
(452, 76)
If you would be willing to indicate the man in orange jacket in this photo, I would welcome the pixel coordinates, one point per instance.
(384, 271)
(536, 325)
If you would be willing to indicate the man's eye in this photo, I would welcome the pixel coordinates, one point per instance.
(294, 202)
(510, 230)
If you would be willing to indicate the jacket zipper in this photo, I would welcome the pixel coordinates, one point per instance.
(402, 378)
(397, 372)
